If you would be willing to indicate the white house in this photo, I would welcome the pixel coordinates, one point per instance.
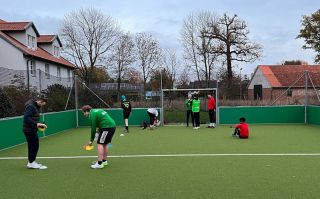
(30, 58)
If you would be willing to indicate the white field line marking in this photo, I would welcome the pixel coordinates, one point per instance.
(171, 155)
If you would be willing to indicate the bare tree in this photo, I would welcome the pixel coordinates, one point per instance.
(122, 57)
(88, 35)
(230, 35)
(171, 64)
(197, 47)
(183, 79)
(148, 55)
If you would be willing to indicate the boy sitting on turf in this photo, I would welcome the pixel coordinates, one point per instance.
(242, 129)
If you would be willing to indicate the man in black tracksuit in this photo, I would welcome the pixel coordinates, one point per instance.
(30, 128)
(126, 107)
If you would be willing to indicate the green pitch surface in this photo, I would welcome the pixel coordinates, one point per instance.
(277, 161)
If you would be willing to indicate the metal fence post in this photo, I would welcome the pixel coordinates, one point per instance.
(305, 96)
(76, 98)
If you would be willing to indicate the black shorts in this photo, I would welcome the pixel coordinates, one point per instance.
(126, 115)
(105, 135)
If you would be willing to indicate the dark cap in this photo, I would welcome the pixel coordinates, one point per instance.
(42, 97)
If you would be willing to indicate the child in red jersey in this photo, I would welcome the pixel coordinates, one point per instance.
(241, 129)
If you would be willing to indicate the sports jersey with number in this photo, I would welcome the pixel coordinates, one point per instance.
(126, 106)
(100, 119)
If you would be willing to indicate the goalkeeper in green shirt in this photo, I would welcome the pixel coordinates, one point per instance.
(188, 106)
(106, 127)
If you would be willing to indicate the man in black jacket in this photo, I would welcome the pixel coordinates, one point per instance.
(30, 127)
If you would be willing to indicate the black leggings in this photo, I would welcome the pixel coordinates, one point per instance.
(33, 145)
(196, 116)
(152, 118)
(189, 112)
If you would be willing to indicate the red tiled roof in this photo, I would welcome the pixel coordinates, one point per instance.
(287, 75)
(45, 38)
(14, 26)
(2, 21)
(39, 53)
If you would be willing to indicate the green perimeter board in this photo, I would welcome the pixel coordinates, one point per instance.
(11, 128)
(137, 116)
(262, 114)
(313, 113)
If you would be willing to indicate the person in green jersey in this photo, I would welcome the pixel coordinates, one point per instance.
(195, 104)
(188, 107)
(106, 128)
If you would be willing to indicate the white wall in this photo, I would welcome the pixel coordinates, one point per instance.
(20, 36)
(11, 57)
(47, 47)
(40, 80)
(258, 79)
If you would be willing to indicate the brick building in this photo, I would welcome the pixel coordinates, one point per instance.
(269, 82)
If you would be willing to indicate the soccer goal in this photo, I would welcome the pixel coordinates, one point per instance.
(173, 107)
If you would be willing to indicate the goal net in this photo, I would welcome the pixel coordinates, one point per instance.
(174, 109)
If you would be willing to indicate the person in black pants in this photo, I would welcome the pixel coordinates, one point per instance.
(31, 124)
(188, 107)
(126, 107)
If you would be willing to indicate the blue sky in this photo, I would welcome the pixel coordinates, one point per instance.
(274, 23)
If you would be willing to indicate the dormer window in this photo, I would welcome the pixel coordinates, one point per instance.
(31, 42)
(56, 51)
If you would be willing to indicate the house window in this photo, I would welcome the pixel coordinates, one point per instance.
(59, 73)
(32, 67)
(289, 93)
(68, 73)
(31, 42)
(56, 51)
(47, 71)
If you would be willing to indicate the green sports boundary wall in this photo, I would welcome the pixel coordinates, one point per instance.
(270, 114)
(313, 115)
(11, 128)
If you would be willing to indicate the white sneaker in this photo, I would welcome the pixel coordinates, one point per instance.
(121, 134)
(104, 163)
(97, 166)
(35, 165)
(195, 128)
(198, 127)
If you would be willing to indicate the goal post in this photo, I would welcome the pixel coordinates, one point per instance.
(173, 109)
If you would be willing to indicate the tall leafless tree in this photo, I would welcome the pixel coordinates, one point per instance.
(148, 53)
(88, 36)
(197, 47)
(230, 35)
(171, 64)
(122, 57)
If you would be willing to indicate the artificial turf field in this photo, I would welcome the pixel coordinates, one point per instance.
(277, 161)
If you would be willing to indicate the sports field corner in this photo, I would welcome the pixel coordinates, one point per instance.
(277, 161)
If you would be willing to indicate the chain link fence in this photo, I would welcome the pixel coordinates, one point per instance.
(18, 86)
